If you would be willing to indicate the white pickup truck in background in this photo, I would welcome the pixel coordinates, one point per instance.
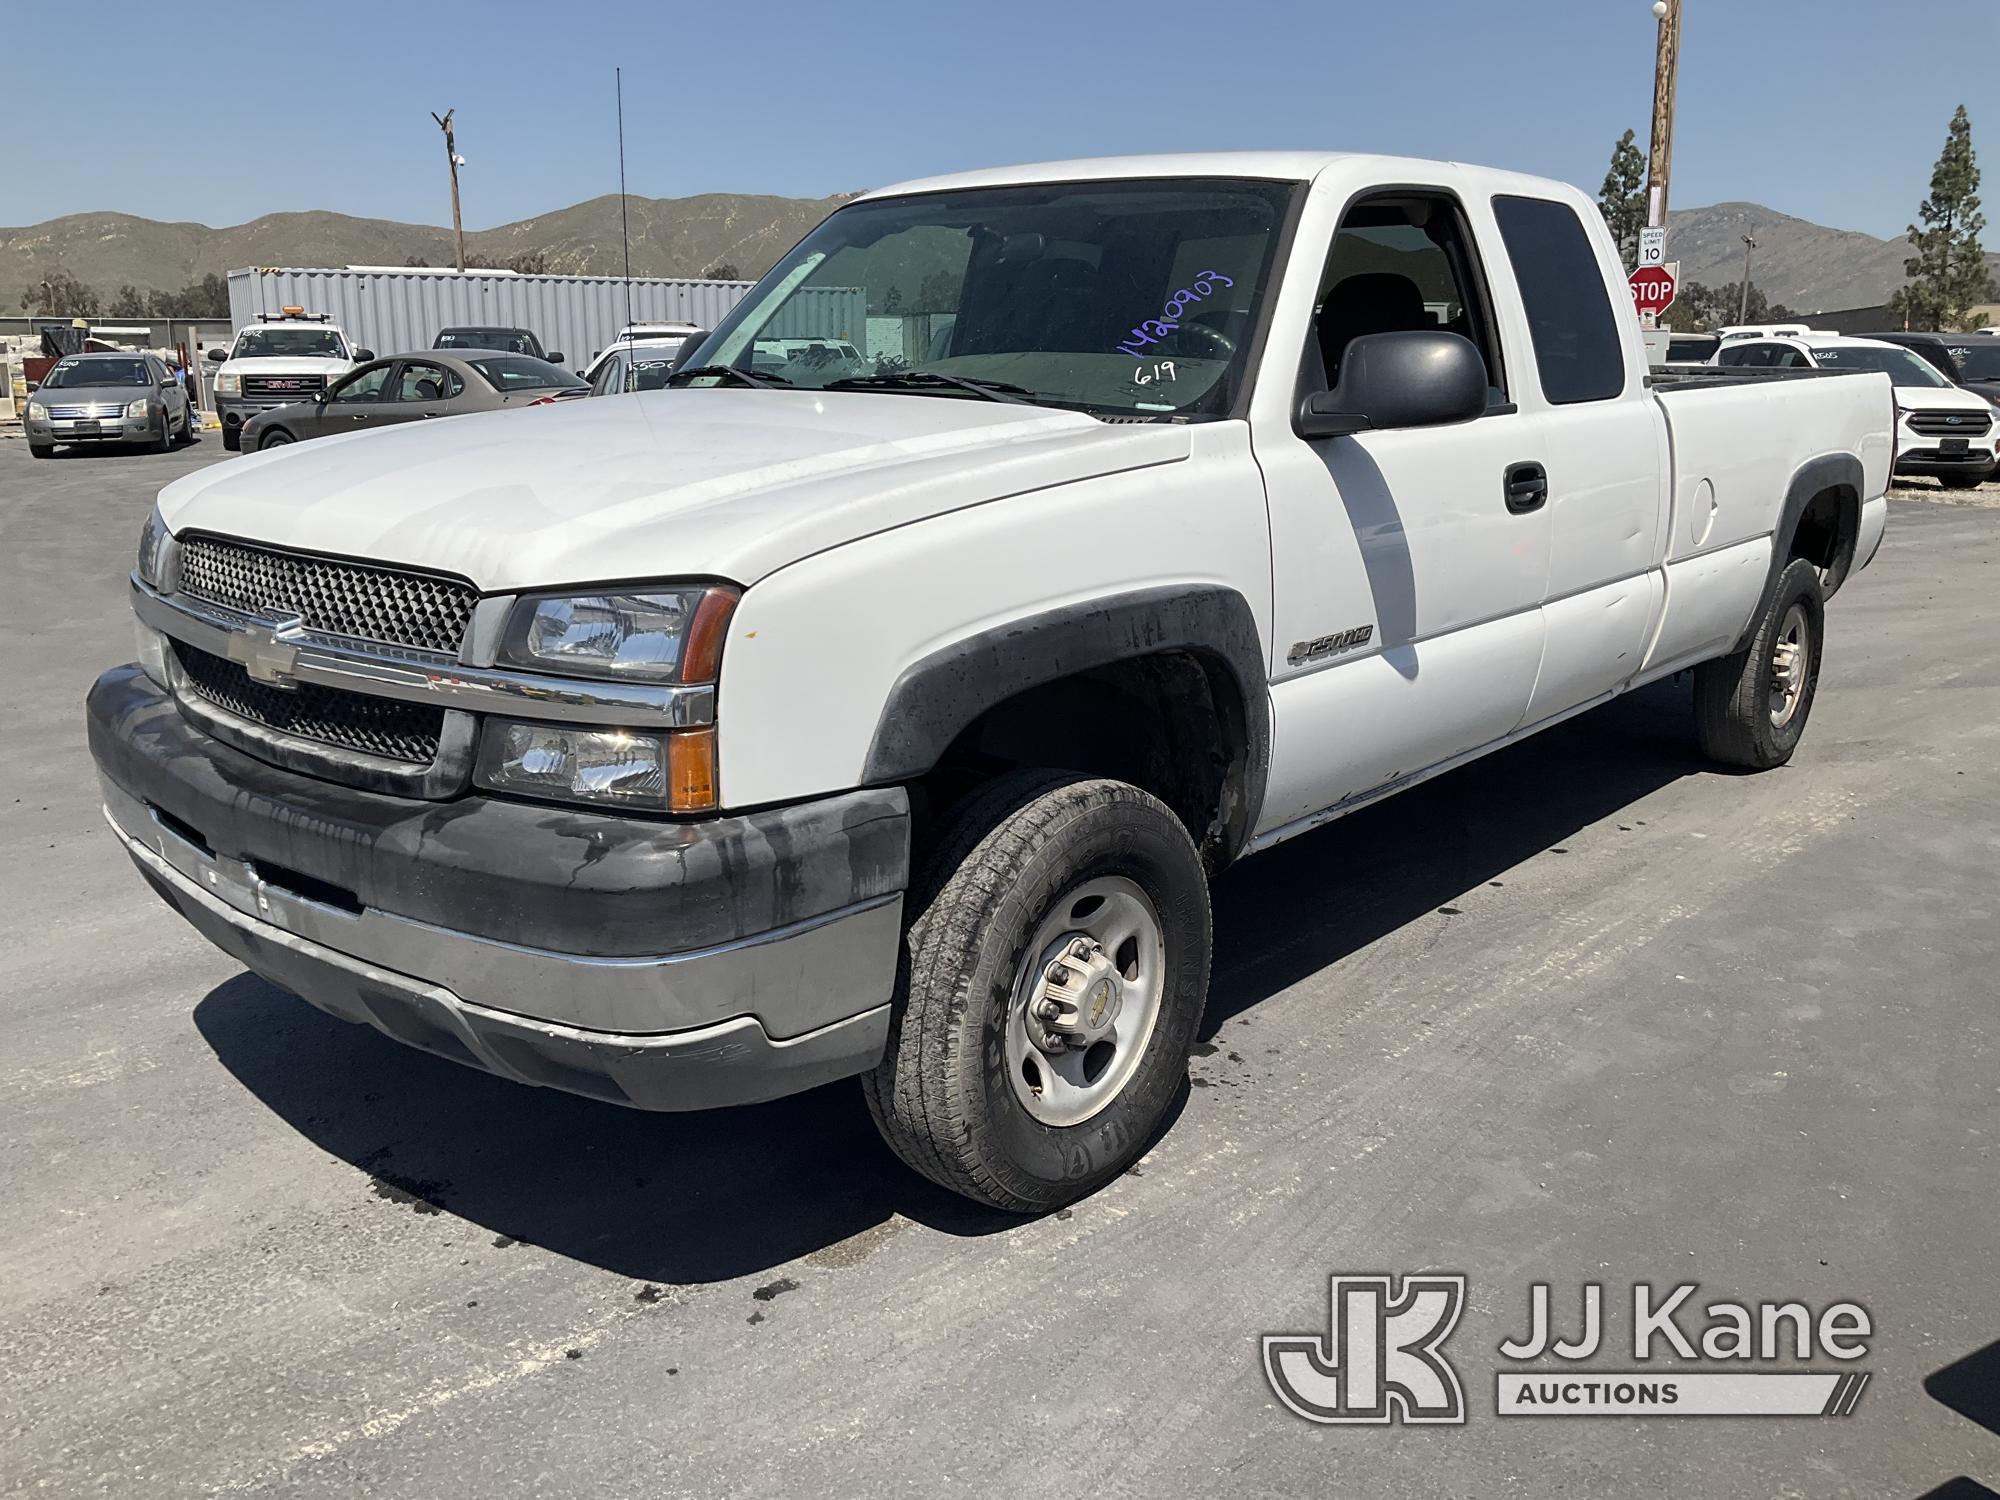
(283, 357)
(703, 744)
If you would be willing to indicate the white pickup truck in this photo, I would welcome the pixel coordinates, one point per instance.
(283, 357)
(700, 745)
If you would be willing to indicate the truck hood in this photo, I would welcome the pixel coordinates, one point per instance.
(1939, 398)
(285, 364)
(710, 482)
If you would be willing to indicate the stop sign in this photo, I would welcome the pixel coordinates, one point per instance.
(1652, 289)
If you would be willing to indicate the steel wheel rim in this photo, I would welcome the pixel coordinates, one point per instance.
(1791, 660)
(1071, 1086)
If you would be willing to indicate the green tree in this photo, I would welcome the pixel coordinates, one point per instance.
(1623, 197)
(129, 302)
(1698, 308)
(60, 294)
(722, 270)
(1947, 275)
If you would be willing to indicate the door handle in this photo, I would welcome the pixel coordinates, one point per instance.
(1527, 488)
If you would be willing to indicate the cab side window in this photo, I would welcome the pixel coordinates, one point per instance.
(367, 386)
(421, 382)
(1402, 262)
(610, 376)
(1577, 348)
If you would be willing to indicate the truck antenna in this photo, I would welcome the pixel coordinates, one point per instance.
(624, 224)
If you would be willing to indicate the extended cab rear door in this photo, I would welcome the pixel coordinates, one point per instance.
(1408, 566)
(1580, 382)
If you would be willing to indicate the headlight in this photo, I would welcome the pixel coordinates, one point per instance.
(663, 635)
(139, 410)
(37, 412)
(152, 541)
(228, 384)
(662, 772)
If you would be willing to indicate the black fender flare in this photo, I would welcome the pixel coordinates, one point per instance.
(1830, 471)
(940, 694)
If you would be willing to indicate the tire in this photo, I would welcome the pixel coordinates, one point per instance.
(1963, 481)
(1740, 717)
(41, 450)
(232, 439)
(1022, 867)
(164, 443)
(277, 437)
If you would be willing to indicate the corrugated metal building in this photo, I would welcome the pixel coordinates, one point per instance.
(392, 310)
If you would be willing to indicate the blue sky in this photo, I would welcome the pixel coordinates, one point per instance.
(1832, 110)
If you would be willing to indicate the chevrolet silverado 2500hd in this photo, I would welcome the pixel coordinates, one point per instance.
(790, 723)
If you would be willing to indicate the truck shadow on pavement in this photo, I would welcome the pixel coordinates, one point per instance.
(705, 1197)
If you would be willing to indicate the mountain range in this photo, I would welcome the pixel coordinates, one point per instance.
(1803, 265)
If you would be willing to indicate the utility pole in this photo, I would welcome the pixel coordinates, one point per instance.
(452, 157)
(1666, 69)
(1743, 299)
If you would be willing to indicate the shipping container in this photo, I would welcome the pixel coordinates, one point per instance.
(392, 310)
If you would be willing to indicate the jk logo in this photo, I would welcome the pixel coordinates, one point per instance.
(1379, 1362)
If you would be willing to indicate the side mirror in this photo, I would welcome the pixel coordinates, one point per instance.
(555, 357)
(217, 356)
(1413, 379)
(362, 356)
(694, 341)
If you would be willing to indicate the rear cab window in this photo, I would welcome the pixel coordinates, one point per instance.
(1578, 352)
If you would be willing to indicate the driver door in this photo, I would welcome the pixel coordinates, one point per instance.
(354, 402)
(1408, 565)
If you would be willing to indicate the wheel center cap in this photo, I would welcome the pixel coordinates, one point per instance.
(1079, 997)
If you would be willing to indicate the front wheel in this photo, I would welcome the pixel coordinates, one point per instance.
(41, 450)
(164, 443)
(1751, 706)
(1965, 481)
(232, 439)
(277, 437)
(1058, 963)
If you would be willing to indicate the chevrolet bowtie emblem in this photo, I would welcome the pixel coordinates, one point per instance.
(267, 653)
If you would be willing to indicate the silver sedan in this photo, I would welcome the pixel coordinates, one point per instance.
(108, 398)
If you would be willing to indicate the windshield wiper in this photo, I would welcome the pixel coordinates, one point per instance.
(762, 382)
(917, 380)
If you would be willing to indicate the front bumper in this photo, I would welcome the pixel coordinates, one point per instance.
(107, 430)
(1932, 460)
(656, 964)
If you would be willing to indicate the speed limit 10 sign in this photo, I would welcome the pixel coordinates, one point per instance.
(1653, 246)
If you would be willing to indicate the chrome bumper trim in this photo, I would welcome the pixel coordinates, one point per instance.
(446, 684)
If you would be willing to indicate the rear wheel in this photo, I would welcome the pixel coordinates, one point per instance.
(1751, 706)
(1058, 961)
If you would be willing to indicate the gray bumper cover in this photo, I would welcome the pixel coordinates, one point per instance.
(373, 909)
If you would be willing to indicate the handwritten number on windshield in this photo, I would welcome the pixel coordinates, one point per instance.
(1169, 321)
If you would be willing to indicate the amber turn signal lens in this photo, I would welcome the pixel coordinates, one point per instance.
(691, 770)
(701, 656)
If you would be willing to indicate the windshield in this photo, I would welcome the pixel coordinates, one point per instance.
(520, 372)
(508, 340)
(1699, 348)
(290, 343)
(1901, 366)
(1118, 297)
(1977, 359)
(78, 372)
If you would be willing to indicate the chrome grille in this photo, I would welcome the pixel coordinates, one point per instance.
(96, 411)
(1950, 423)
(287, 387)
(381, 727)
(391, 606)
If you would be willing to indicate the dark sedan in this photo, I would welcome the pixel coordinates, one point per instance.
(412, 388)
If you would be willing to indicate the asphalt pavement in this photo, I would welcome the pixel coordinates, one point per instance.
(1586, 1011)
